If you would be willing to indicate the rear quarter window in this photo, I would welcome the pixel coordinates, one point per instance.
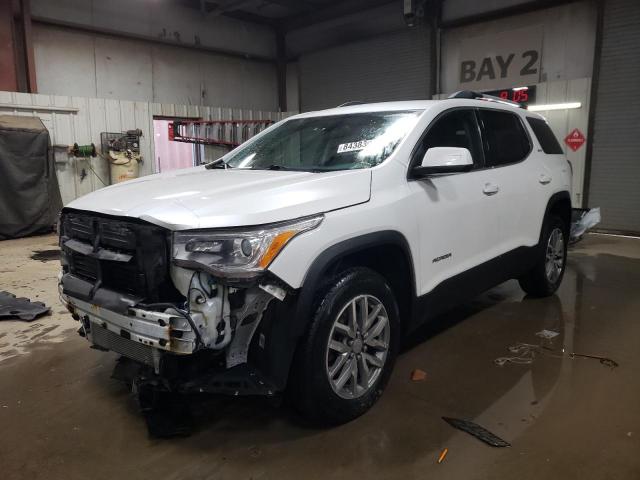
(545, 136)
(506, 140)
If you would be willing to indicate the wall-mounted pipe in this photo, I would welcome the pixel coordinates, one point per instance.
(39, 108)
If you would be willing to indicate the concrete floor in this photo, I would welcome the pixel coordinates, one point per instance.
(61, 416)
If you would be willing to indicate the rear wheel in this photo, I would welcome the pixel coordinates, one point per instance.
(551, 258)
(345, 360)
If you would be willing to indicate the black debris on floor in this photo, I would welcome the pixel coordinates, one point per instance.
(20, 308)
(46, 255)
(477, 431)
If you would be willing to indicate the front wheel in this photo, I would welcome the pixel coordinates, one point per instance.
(551, 259)
(345, 360)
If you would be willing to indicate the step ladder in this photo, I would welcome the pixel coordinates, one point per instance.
(226, 133)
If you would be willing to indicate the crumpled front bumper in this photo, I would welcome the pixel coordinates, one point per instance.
(145, 335)
(165, 331)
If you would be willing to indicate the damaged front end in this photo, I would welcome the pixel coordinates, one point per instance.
(183, 307)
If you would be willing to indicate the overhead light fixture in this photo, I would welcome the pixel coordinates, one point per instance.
(554, 106)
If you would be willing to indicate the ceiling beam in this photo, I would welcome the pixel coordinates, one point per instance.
(296, 5)
(234, 9)
(251, 18)
(332, 11)
(496, 13)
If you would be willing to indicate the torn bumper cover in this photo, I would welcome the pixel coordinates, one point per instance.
(582, 220)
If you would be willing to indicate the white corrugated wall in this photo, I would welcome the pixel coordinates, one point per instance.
(391, 66)
(615, 165)
(81, 120)
(73, 63)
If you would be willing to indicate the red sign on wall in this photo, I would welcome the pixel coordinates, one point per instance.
(575, 139)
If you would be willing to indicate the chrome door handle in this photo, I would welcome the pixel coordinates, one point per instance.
(490, 189)
(544, 179)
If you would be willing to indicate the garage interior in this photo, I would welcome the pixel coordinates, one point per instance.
(125, 89)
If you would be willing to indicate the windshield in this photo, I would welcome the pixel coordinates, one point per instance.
(337, 142)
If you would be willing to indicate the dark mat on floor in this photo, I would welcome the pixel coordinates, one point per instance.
(20, 308)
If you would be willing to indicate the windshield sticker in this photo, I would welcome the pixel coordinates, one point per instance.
(352, 146)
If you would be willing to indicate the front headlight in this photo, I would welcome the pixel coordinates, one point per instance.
(237, 253)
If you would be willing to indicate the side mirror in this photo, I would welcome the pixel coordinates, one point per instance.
(442, 160)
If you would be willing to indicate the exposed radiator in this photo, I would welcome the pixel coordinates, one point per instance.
(114, 342)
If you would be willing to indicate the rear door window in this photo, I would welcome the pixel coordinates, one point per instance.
(545, 136)
(505, 139)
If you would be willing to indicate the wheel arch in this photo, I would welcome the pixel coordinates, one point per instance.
(385, 252)
(560, 205)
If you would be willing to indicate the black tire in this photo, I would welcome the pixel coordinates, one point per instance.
(310, 389)
(537, 282)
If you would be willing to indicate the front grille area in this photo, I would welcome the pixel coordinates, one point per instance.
(124, 277)
(85, 267)
(121, 255)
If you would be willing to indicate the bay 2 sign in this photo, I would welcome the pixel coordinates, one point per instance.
(510, 58)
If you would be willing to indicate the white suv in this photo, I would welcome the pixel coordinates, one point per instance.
(299, 261)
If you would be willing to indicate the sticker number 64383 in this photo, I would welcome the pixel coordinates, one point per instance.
(352, 146)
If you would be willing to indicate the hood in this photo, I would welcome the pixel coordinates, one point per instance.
(201, 198)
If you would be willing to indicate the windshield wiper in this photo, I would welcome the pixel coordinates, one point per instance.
(273, 166)
(219, 163)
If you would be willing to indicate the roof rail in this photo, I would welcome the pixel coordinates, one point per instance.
(347, 104)
(473, 95)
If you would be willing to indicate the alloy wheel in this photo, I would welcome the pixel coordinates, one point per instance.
(358, 346)
(554, 260)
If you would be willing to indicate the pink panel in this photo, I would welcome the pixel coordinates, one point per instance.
(170, 155)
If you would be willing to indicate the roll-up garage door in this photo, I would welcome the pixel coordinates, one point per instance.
(393, 66)
(615, 168)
